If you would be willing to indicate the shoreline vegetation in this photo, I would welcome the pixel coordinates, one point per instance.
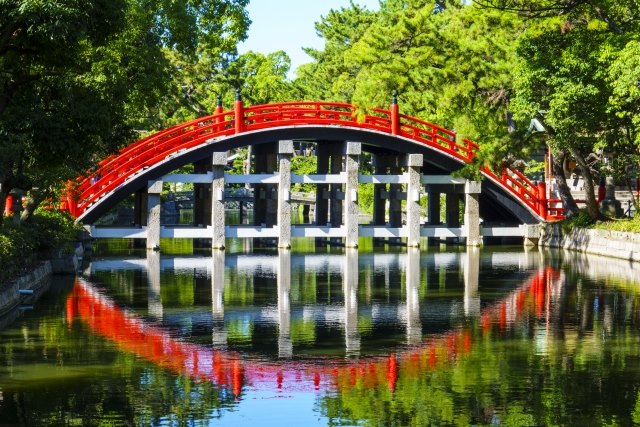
(582, 220)
(47, 235)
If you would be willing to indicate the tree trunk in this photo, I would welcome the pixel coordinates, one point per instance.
(589, 189)
(557, 169)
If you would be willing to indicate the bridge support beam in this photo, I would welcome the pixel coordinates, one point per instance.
(218, 162)
(452, 211)
(285, 150)
(202, 195)
(337, 196)
(322, 200)
(433, 208)
(379, 201)
(414, 166)
(351, 211)
(265, 207)
(471, 224)
(154, 189)
(395, 195)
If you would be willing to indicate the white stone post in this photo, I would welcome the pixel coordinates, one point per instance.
(414, 166)
(218, 161)
(154, 189)
(472, 213)
(352, 211)
(285, 150)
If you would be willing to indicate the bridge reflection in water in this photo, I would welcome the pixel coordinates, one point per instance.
(153, 337)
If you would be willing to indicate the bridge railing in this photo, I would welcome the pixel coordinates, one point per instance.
(116, 169)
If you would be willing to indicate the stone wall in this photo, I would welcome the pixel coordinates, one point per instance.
(10, 292)
(616, 244)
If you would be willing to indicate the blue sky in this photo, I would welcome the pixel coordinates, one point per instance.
(289, 25)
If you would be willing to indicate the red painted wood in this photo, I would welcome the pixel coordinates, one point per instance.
(113, 171)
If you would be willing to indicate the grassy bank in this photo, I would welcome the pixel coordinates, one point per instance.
(582, 220)
(23, 245)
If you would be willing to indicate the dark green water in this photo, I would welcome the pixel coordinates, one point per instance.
(438, 337)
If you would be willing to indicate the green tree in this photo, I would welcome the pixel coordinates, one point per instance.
(572, 76)
(77, 77)
(330, 76)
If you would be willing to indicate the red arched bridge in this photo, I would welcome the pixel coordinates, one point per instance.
(508, 196)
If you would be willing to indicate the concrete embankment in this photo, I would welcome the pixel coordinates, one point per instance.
(22, 288)
(616, 244)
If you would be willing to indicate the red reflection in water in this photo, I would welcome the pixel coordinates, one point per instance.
(226, 369)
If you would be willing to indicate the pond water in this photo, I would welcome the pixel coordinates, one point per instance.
(448, 336)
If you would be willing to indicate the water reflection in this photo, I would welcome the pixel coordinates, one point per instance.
(445, 338)
(239, 365)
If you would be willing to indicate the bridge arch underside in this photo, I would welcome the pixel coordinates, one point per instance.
(497, 205)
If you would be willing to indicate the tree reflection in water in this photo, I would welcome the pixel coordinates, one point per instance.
(560, 347)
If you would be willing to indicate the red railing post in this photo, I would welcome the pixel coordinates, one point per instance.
(218, 112)
(238, 109)
(543, 208)
(394, 111)
(218, 109)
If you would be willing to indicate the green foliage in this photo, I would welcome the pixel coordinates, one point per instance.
(582, 220)
(20, 244)
(80, 76)
(629, 225)
(304, 165)
(365, 197)
(575, 73)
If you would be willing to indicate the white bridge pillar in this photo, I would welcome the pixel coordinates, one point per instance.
(352, 211)
(285, 150)
(219, 161)
(472, 213)
(414, 166)
(154, 189)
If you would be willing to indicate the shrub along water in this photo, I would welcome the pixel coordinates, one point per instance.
(583, 220)
(42, 237)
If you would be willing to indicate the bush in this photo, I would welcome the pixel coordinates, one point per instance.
(22, 244)
(582, 220)
(53, 230)
(629, 225)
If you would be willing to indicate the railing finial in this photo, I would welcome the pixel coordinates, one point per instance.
(394, 114)
(238, 94)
